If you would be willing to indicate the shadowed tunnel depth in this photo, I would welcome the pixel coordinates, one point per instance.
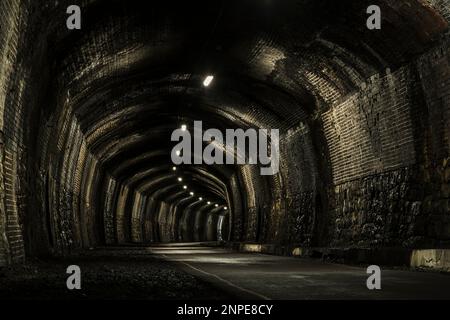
(86, 118)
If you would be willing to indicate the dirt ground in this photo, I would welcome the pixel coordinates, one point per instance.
(105, 274)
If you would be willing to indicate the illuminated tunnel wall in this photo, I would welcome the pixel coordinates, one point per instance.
(86, 117)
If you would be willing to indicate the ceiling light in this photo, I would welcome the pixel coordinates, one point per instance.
(209, 202)
(184, 187)
(178, 152)
(191, 193)
(180, 179)
(174, 168)
(208, 81)
(183, 127)
(216, 205)
(225, 208)
(200, 198)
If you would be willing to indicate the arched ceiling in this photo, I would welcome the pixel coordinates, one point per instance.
(134, 72)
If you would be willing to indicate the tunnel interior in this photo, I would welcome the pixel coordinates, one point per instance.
(86, 118)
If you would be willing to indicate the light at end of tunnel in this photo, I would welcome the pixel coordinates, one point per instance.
(184, 187)
(180, 179)
(183, 127)
(208, 81)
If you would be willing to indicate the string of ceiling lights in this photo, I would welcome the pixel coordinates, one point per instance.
(192, 194)
(206, 83)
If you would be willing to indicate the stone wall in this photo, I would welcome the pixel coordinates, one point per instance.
(14, 73)
(364, 154)
(389, 151)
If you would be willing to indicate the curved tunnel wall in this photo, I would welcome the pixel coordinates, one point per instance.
(84, 117)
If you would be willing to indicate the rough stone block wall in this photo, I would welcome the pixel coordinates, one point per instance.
(149, 224)
(109, 210)
(299, 173)
(120, 215)
(300, 219)
(136, 218)
(237, 210)
(389, 154)
(376, 210)
(247, 174)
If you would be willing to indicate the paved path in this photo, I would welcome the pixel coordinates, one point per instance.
(258, 276)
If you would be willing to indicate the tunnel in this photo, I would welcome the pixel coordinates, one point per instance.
(87, 117)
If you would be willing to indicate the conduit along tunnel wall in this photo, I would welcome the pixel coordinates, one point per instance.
(86, 119)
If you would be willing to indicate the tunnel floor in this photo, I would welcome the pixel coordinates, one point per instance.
(107, 273)
(261, 276)
(198, 272)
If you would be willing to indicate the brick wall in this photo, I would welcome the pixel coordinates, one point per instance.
(372, 131)
(387, 144)
(11, 99)
(389, 151)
